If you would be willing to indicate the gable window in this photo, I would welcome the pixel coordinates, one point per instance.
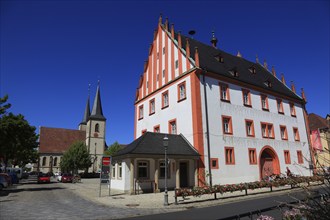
(214, 163)
(152, 106)
(44, 161)
(230, 155)
(249, 128)
(296, 134)
(172, 127)
(163, 73)
(300, 157)
(97, 128)
(224, 92)
(120, 170)
(252, 69)
(246, 97)
(165, 99)
(140, 112)
(176, 64)
(267, 130)
(234, 72)
(143, 170)
(280, 106)
(287, 158)
(227, 125)
(268, 84)
(163, 50)
(219, 58)
(157, 129)
(252, 156)
(162, 170)
(264, 102)
(181, 91)
(284, 133)
(292, 110)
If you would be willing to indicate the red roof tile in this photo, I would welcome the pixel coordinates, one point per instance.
(58, 140)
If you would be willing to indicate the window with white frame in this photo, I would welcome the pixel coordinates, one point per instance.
(143, 170)
(181, 91)
(113, 173)
(162, 170)
(172, 127)
(120, 170)
(152, 107)
(165, 100)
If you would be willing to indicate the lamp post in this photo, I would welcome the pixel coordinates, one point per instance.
(165, 144)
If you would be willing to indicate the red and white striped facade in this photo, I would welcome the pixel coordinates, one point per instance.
(196, 109)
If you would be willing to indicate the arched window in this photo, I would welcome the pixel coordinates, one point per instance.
(55, 161)
(44, 161)
(97, 128)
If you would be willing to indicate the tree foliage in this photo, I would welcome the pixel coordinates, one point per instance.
(3, 105)
(76, 158)
(113, 149)
(18, 139)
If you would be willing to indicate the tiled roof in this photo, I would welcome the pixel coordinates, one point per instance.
(58, 140)
(152, 144)
(316, 122)
(208, 60)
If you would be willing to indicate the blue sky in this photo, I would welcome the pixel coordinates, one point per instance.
(51, 50)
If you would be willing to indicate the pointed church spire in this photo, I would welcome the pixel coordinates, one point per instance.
(214, 40)
(87, 110)
(97, 112)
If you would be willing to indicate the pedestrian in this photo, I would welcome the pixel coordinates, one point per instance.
(288, 172)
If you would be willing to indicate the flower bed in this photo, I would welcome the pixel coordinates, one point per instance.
(198, 191)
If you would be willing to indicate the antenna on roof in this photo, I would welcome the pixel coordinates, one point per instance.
(191, 33)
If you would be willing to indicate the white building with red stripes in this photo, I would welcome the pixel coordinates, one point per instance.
(244, 121)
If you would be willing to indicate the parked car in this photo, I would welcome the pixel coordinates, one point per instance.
(14, 178)
(3, 182)
(7, 177)
(43, 178)
(67, 178)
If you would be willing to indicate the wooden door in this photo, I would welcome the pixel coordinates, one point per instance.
(267, 167)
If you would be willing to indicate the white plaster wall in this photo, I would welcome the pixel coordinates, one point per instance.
(124, 182)
(181, 111)
(242, 171)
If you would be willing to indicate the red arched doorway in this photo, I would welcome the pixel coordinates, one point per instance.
(269, 163)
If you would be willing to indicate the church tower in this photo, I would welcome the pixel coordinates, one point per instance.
(83, 123)
(95, 132)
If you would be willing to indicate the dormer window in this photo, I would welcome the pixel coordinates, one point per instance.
(268, 84)
(234, 72)
(252, 69)
(219, 58)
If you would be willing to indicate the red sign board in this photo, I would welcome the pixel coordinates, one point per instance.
(106, 161)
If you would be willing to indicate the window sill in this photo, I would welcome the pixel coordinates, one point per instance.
(165, 107)
(265, 109)
(180, 100)
(248, 105)
(152, 113)
(225, 100)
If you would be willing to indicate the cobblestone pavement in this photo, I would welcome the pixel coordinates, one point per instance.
(56, 201)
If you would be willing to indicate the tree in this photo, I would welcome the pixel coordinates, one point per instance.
(3, 106)
(76, 158)
(113, 149)
(18, 139)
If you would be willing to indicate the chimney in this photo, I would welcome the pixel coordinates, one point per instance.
(257, 59)
(196, 57)
(172, 30)
(214, 40)
(282, 79)
(179, 39)
(265, 65)
(187, 48)
(273, 71)
(293, 87)
(303, 94)
(166, 24)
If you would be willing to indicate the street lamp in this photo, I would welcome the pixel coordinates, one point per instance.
(165, 144)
